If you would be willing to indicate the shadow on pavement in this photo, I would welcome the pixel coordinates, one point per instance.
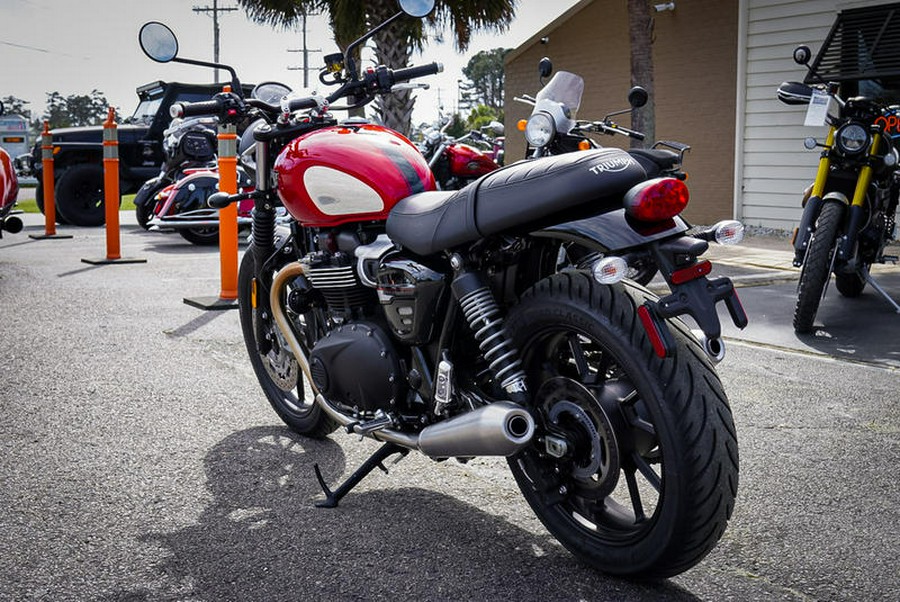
(262, 539)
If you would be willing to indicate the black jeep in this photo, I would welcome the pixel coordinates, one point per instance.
(78, 152)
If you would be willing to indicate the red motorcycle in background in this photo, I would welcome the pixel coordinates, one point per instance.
(454, 163)
(9, 193)
(440, 321)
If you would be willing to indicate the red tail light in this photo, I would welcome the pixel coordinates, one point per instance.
(657, 200)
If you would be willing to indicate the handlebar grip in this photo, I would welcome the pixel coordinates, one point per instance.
(194, 109)
(420, 71)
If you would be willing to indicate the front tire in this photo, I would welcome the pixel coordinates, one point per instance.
(817, 267)
(649, 473)
(277, 371)
(79, 195)
(39, 199)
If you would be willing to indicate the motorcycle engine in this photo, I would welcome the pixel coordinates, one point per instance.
(356, 365)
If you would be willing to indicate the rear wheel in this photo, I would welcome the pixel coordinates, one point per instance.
(277, 371)
(817, 266)
(852, 284)
(634, 467)
(79, 195)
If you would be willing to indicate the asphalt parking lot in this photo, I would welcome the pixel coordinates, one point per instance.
(140, 461)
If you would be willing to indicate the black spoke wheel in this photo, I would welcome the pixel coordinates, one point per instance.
(79, 195)
(277, 371)
(817, 266)
(634, 467)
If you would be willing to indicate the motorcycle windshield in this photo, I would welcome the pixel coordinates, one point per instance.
(564, 88)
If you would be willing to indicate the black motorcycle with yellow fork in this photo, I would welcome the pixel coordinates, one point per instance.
(849, 212)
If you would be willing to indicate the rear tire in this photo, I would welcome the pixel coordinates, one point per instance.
(79, 195)
(278, 372)
(649, 475)
(817, 267)
(851, 285)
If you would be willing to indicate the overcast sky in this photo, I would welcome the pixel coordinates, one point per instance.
(74, 46)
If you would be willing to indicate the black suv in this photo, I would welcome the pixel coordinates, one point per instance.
(78, 152)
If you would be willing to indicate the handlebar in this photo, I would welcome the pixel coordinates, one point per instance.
(408, 73)
(195, 109)
(226, 104)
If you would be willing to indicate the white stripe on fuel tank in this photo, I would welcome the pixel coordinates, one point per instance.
(337, 193)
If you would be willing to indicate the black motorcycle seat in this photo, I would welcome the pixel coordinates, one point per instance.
(520, 197)
(654, 160)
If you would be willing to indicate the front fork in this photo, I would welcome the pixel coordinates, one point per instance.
(813, 205)
(263, 233)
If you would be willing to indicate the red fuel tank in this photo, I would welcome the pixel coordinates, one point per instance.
(350, 173)
(467, 161)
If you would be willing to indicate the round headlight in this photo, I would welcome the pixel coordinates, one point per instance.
(539, 130)
(852, 139)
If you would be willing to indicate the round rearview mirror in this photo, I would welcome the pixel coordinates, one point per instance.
(802, 54)
(637, 97)
(417, 8)
(158, 42)
(545, 67)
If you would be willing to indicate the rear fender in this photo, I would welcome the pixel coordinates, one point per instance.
(613, 232)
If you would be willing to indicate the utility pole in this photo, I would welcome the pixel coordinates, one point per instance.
(305, 51)
(215, 9)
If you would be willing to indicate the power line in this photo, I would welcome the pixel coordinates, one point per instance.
(215, 9)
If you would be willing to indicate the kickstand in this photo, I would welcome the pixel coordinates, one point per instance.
(883, 292)
(375, 461)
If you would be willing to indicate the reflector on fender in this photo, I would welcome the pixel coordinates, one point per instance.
(660, 337)
(691, 273)
(656, 200)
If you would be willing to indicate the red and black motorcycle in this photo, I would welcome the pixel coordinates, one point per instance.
(9, 192)
(456, 162)
(439, 321)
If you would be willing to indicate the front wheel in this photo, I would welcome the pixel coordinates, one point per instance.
(277, 371)
(39, 199)
(817, 267)
(634, 467)
(206, 236)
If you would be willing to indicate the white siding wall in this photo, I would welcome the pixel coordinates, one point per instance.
(773, 167)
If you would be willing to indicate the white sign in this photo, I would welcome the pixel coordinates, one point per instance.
(819, 107)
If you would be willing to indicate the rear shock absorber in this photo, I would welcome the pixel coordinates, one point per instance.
(483, 315)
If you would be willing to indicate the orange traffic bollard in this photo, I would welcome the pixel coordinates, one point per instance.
(48, 187)
(228, 225)
(111, 197)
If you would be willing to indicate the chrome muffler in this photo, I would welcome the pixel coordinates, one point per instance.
(498, 429)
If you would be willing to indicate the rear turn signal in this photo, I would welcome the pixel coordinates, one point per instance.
(657, 200)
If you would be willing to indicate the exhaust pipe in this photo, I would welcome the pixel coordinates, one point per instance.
(714, 347)
(12, 224)
(499, 429)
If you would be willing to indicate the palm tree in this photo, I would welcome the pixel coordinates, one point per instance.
(350, 19)
(640, 30)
